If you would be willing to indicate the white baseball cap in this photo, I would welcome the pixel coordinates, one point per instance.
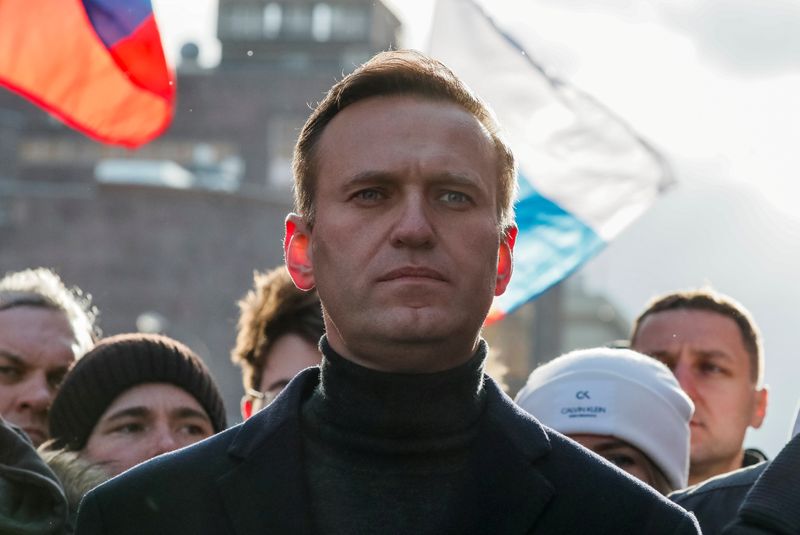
(616, 392)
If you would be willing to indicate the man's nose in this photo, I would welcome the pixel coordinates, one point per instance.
(163, 442)
(413, 227)
(683, 373)
(36, 394)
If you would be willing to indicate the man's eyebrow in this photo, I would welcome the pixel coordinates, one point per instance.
(15, 359)
(377, 177)
(716, 353)
(130, 412)
(189, 412)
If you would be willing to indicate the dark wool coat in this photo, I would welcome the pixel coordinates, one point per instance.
(249, 479)
(715, 501)
(32, 501)
(773, 504)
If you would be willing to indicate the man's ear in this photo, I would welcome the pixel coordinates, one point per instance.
(760, 410)
(505, 257)
(246, 406)
(297, 252)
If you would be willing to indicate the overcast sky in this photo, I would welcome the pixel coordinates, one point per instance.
(713, 84)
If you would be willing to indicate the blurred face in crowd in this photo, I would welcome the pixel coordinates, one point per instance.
(706, 353)
(144, 421)
(406, 251)
(288, 355)
(37, 346)
(622, 455)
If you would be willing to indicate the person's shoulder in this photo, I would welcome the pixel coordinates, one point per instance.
(715, 501)
(148, 497)
(599, 488)
(737, 481)
(187, 466)
(588, 493)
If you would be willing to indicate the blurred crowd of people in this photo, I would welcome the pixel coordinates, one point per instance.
(374, 434)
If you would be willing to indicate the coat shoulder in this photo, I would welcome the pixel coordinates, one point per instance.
(178, 483)
(716, 501)
(588, 494)
(602, 491)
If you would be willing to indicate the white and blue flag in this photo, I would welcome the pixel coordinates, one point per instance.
(584, 174)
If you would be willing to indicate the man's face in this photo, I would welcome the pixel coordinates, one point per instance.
(37, 346)
(404, 248)
(706, 353)
(290, 354)
(145, 421)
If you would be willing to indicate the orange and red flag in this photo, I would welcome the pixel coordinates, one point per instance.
(98, 65)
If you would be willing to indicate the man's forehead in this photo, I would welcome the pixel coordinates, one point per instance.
(702, 328)
(388, 134)
(369, 110)
(36, 326)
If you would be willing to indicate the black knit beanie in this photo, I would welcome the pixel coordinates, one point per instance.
(118, 363)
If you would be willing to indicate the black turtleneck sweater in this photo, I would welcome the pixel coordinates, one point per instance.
(386, 452)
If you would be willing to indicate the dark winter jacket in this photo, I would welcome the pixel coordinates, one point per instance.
(525, 478)
(31, 498)
(773, 504)
(77, 476)
(715, 502)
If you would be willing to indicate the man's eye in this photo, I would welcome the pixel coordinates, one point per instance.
(368, 195)
(454, 197)
(10, 373)
(55, 379)
(130, 428)
(194, 430)
(711, 368)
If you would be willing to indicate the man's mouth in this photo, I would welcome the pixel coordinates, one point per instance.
(412, 272)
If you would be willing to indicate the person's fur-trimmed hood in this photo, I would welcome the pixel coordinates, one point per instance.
(77, 475)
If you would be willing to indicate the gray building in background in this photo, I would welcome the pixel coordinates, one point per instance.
(166, 237)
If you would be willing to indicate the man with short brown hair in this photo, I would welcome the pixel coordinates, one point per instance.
(406, 231)
(44, 328)
(713, 347)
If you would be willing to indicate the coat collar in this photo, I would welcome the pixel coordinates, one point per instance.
(266, 490)
(509, 492)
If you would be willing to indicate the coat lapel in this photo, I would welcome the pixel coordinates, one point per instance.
(266, 492)
(507, 493)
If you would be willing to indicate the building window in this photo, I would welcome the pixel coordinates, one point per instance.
(297, 22)
(349, 23)
(273, 15)
(321, 18)
(282, 132)
(241, 22)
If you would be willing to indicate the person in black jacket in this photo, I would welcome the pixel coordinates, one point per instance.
(32, 501)
(405, 227)
(773, 504)
(717, 501)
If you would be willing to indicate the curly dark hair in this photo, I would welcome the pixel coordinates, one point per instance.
(273, 308)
